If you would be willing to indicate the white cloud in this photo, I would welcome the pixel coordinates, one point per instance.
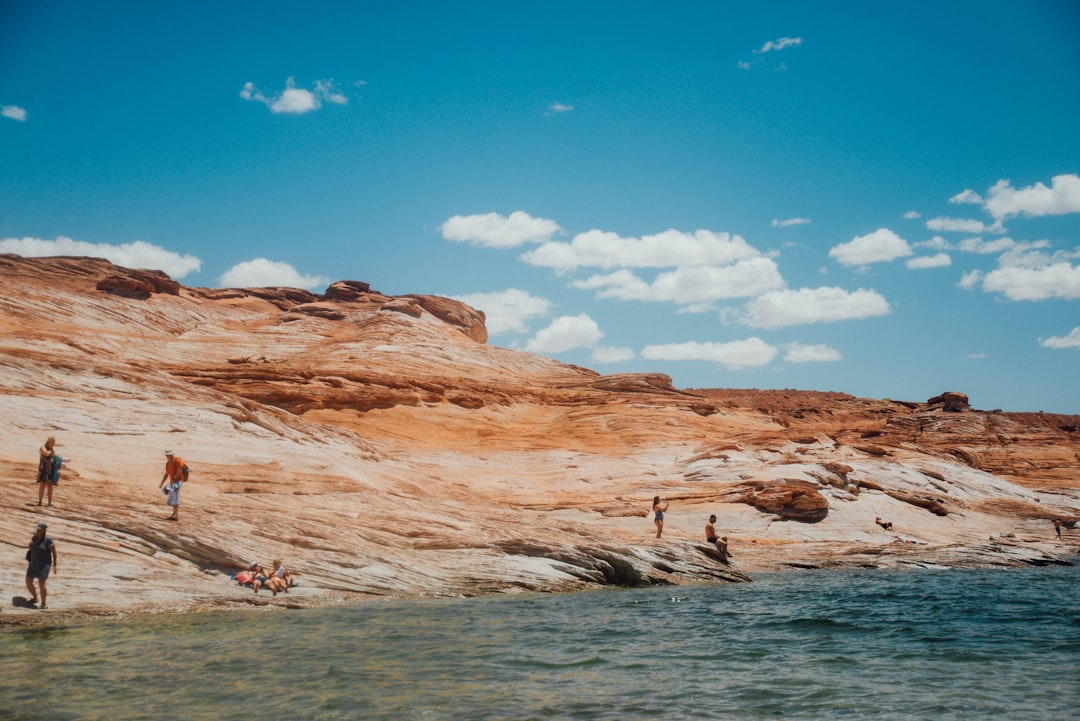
(879, 246)
(492, 230)
(326, 90)
(14, 112)
(566, 333)
(963, 225)
(967, 196)
(610, 354)
(937, 243)
(671, 248)
(137, 254)
(752, 352)
(912, 215)
(812, 305)
(777, 223)
(558, 108)
(1061, 198)
(294, 100)
(929, 261)
(1026, 272)
(744, 65)
(820, 353)
(1056, 280)
(507, 311)
(978, 245)
(971, 279)
(263, 273)
(1072, 340)
(689, 286)
(779, 44)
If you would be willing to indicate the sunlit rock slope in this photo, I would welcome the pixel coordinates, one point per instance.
(381, 447)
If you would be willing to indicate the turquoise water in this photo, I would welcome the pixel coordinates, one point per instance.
(802, 645)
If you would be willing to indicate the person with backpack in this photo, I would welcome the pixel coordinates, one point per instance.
(48, 469)
(176, 473)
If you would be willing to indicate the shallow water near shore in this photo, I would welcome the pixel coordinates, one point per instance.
(801, 645)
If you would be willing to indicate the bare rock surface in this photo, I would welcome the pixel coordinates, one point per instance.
(380, 447)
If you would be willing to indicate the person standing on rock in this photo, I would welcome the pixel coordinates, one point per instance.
(41, 556)
(1057, 526)
(48, 474)
(658, 512)
(175, 474)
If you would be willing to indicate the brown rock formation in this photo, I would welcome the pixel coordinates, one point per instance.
(380, 446)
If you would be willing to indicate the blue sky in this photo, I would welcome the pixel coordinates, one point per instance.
(881, 199)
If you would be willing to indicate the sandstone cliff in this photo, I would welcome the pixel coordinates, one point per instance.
(381, 447)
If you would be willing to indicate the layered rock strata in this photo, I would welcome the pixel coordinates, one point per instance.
(381, 447)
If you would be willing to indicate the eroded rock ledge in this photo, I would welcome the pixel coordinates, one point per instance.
(382, 448)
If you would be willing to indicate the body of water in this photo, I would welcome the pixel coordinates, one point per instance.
(1000, 644)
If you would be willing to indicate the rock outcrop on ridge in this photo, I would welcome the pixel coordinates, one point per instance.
(381, 447)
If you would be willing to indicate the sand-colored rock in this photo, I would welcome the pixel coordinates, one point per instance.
(381, 447)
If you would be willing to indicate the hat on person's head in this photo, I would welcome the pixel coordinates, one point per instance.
(168, 453)
(42, 525)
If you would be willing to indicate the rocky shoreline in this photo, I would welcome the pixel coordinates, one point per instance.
(384, 450)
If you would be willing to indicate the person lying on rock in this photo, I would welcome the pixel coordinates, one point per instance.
(721, 542)
(887, 525)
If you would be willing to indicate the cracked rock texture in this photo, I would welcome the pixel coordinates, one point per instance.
(381, 448)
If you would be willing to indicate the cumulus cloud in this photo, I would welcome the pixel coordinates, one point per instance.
(963, 225)
(749, 353)
(967, 196)
(779, 44)
(294, 100)
(14, 112)
(507, 311)
(880, 246)
(692, 285)
(781, 308)
(671, 248)
(558, 108)
(777, 223)
(1072, 340)
(1027, 272)
(263, 273)
(983, 247)
(492, 230)
(929, 261)
(566, 333)
(137, 254)
(1055, 280)
(611, 354)
(971, 279)
(912, 215)
(1061, 198)
(820, 353)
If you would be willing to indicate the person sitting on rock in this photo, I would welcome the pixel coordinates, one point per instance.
(721, 542)
(262, 579)
(280, 573)
(887, 525)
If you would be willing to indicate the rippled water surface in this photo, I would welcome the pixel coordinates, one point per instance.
(805, 645)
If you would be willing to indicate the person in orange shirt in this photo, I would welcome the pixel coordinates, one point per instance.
(174, 474)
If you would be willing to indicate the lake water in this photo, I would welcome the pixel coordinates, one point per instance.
(1000, 644)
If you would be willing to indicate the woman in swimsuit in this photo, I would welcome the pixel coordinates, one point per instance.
(659, 517)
